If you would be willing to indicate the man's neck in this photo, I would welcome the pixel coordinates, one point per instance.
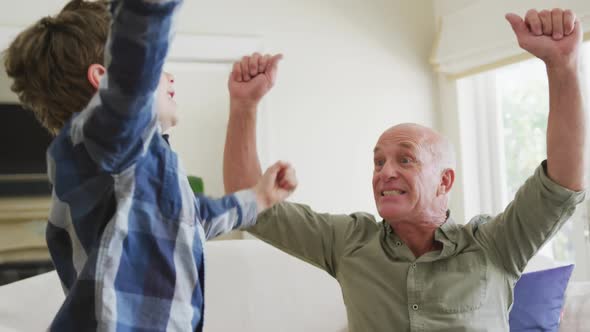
(419, 237)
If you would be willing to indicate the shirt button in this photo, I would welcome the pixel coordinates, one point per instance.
(415, 307)
(398, 243)
(413, 265)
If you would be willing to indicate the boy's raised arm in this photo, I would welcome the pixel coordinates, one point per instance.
(121, 118)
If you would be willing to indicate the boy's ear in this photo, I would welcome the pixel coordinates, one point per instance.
(95, 73)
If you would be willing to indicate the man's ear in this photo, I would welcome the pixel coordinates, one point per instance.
(446, 182)
(95, 73)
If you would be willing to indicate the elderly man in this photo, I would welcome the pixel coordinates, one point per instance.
(417, 270)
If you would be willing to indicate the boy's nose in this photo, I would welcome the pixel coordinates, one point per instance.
(169, 77)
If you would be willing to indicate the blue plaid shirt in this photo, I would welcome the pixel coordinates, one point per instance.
(125, 231)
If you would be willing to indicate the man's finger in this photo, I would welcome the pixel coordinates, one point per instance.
(272, 67)
(245, 69)
(517, 24)
(263, 62)
(546, 22)
(274, 61)
(569, 22)
(253, 64)
(237, 72)
(557, 19)
(533, 21)
(278, 56)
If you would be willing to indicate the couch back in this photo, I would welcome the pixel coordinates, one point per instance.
(250, 286)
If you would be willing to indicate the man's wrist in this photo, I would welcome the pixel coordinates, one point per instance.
(243, 106)
(562, 66)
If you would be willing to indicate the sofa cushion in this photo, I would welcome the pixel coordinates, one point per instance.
(538, 300)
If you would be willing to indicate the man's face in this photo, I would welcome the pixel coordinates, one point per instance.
(165, 104)
(406, 178)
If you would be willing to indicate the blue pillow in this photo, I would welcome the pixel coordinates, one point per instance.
(538, 300)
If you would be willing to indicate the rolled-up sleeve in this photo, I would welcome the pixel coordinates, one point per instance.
(538, 211)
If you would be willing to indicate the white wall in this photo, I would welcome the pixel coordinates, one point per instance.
(352, 69)
(448, 120)
(446, 7)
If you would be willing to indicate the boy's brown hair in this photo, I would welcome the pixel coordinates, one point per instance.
(49, 61)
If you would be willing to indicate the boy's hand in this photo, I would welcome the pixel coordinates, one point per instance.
(277, 183)
(252, 78)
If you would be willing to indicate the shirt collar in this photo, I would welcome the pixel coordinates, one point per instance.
(448, 230)
(166, 137)
(446, 233)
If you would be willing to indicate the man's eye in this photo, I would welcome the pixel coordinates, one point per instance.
(379, 163)
(405, 160)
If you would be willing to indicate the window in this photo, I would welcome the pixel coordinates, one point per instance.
(510, 107)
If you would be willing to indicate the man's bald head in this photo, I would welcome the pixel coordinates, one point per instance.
(439, 146)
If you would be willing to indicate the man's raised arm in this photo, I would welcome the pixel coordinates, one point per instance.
(555, 37)
(249, 81)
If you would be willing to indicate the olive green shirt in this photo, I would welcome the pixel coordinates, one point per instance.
(466, 286)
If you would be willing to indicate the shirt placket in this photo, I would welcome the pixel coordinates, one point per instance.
(413, 281)
(414, 285)
(415, 277)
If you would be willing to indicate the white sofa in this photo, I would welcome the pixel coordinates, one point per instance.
(275, 293)
(250, 286)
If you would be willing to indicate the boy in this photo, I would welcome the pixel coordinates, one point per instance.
(125, 231)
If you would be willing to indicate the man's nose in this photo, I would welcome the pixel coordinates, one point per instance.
(389, 171)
